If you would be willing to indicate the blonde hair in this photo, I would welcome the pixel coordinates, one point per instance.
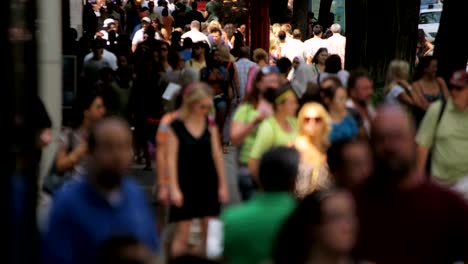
(326, 120)
(274, 45)
(214, 24)
(287, 28)
(194, 93)
(397, 70)
(275, 28)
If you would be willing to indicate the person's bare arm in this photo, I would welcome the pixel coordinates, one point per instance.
(134, 47)
(444, 87)
(172, 158)
(66, 161)
(218, 159)
(162, 179)
(240, 131)
(421, 159)
(421, 101)
(405, 99)
(430, 48)
(253, 168)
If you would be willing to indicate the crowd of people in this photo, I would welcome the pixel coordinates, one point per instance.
(325, 174)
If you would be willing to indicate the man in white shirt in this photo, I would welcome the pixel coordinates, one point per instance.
(294, 47)
(96, 60)
(195, 33)
(337, 42)
(140, 34)
(313, 44)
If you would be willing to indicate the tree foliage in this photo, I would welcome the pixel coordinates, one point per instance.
(378, 32)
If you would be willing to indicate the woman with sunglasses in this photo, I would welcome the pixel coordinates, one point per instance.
(277, 130)
(195, 167)
(312, 144)
(246, 119)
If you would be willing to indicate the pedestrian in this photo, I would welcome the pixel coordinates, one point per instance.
(104, 204)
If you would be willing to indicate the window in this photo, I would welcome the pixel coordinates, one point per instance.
(430, 17)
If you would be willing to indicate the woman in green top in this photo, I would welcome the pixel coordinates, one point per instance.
(245, 123)
(279, 130)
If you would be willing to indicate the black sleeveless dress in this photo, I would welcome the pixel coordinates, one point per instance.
(197, 176)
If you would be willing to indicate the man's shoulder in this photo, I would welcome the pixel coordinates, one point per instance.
(239, 212)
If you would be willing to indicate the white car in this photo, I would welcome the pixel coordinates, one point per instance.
(429, 18)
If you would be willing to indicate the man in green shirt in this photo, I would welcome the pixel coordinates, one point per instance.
(250, 229)
(449, 142)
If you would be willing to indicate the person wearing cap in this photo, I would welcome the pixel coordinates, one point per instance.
(109, 26)
(140, 33)
(444, 131)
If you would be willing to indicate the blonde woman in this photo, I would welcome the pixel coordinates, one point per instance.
(312, 144)
(397, 88)
(195, 167)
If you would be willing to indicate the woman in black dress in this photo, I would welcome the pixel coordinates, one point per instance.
(195, 167)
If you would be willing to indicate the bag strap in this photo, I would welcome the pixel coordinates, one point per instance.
(439, 118)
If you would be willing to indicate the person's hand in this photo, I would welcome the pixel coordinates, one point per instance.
(163, 195)
(45, 137)
(260, 117)
(404, 83)
(81, 149)
(177, 199)
(223, 194)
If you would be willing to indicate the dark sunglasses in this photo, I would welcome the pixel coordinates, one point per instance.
(458, 88)
(316, 119)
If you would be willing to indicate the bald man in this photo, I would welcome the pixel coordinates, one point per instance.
(405, 218)
(103, 205)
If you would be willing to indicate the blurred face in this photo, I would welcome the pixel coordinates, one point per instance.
(164, 51)
(460, 97)
(431, 70)
(144, 25)
(339, 224)
(322, 57)
(155, 24)
(363, 90)
(203, 107)
(197, 51)
(217, 56)
(98, 53)
(339, 101)
(312, 123)
(296, 63)
(271, 80)
(122, 61)
(96, 111)
(357, 164)
(393, 142)
(289, 105)
(113, 154)
(216, 37)
(242, 29)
